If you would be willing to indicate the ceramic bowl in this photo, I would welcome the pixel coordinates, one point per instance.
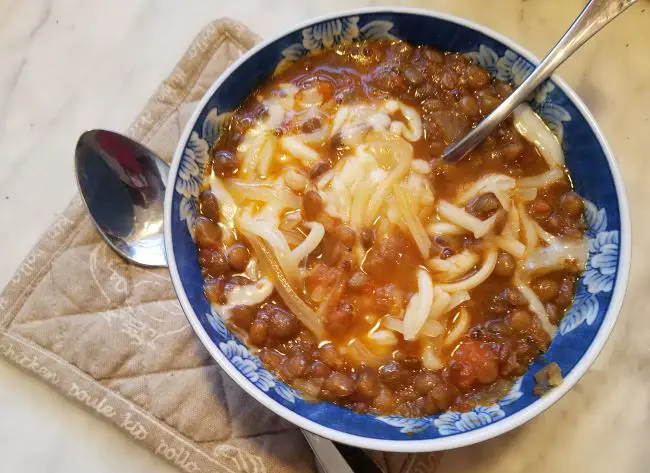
(583, 331)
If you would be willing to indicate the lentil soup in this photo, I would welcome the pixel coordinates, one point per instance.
(360, 267)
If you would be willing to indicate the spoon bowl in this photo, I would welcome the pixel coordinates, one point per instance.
(123, 184)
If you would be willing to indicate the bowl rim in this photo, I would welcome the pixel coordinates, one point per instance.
(427, 445)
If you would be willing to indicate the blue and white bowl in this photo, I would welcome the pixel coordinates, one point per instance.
(584, 329)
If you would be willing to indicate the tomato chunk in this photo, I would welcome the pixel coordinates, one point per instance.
(472, 363)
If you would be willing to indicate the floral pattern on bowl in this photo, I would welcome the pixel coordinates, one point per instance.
(451, 422)
(599, 273)
(331, 33)
(251, 367)
(248, 364)
(552, 101)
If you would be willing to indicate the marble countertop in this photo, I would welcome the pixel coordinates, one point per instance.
(69, 65)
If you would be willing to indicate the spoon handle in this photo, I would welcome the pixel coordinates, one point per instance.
(595, 16)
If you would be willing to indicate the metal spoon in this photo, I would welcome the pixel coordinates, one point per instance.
(595, 16)
(123, 184)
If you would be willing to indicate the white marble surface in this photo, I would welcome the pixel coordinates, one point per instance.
(69, 65)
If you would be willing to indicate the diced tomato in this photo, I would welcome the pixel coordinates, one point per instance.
(326, 90)
(322, 276)
(474, 362)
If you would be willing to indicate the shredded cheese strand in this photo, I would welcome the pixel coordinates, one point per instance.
(477, 278)
(418, 308)
(404, 154)
(412, 222)
(460, 217)
(535, 305)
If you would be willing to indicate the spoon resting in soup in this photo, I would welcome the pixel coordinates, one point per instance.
(359, 266)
